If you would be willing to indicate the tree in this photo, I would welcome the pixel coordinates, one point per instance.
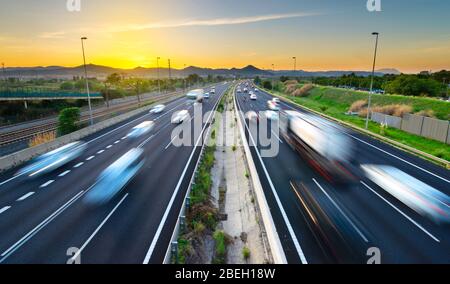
(66, 86)
(67, 121)
(138, 85)
(257, 80)
(267, 85)
(111, 81)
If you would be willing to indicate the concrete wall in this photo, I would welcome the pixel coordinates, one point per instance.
(419, 125)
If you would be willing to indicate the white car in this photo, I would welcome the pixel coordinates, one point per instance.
(271, 115)
(213, 91)
(252, 116)
(273, 105)
(276, 100)
(256, 90)
(206, 95)
(239, 90)
(253, 97)
(157, 109)
(180, 116)
(141, 129)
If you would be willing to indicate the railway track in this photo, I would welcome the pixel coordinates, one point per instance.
(26, 134)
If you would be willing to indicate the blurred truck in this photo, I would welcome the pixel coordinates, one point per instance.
(325, 146)
(197, 95)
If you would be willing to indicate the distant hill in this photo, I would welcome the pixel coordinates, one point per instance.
(100, 71)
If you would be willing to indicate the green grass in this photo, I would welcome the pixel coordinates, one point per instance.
(220, 247)
(246, 253)
(335, 102)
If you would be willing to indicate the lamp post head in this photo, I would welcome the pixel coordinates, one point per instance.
(84, 38)
(375, 33)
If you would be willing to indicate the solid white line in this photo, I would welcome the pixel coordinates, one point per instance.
(25, 196)
(78, 165)
(4, 209)
(403, 214)
(403, 160)
(47, 183)
(123, 138)
(117, 142)
(98, 228)
(342, 212)
(109, 146)
(273, 132)
(90, 158)
(170, 143)
(172, 199)
(274, 192)
(64, 173)
(39, 227)
(101, 151)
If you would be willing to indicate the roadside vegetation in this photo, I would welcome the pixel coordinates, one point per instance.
(338, 102)
(68, 121)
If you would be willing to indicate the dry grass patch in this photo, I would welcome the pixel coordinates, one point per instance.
(42, 138)
(303, 91)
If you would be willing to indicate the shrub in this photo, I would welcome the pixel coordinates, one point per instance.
(426, 113)
(291, 88)
(358, 106)
(394, 110)
(303, 91)
(68, 119)
(246, 253)
(290, 82)
(220, 239)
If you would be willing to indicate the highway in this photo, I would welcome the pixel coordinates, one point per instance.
(376, 218)
(40, 219)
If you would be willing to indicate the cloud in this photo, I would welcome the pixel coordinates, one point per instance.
(52, 35)
(213, 22)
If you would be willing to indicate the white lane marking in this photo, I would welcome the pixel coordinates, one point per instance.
(117, 142)
(90, 158)
(278, 137)
(64, 173)
(172, 199)
(101, 151)
(170, 143)
(125, 137)
(403, 214)
(98, 229)
(47, 184)
(4, 209)
(183, 99)
(109, 146)
(151, 137)
(145, 141)
(386, 152)
(403, 160)
(25, 196)
(78, 165)
(274, 192)
(342, 212)
(39, 227)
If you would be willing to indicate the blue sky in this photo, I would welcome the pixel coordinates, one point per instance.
(323, 34)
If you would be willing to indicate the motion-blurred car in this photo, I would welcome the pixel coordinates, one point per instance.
(53, 159)
(273, 105)
(157, 109)
(196, 95)
(276, 100)
(271, 115)
(141, 129)
(253, 97)
(213, 91)
(252, 116)
(115, 177)
(256, 90)
(415, 194)
(180, 116)
(245, 90)
(206, 95)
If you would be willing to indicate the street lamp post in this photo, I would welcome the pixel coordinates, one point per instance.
(273, 72)
(87, 83)
(157, 74)
(184, 77)
(371, 81)
(295, 64)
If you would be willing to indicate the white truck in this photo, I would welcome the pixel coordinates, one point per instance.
(324, 145)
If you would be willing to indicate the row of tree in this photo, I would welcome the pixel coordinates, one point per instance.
(423, 84)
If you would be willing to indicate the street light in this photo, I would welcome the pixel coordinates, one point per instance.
(295, 64)
(371, 81)
(273, 72)
(157, 74)
(184, 77)
(87, 83)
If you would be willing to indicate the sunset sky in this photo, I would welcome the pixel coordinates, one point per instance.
(322, 34)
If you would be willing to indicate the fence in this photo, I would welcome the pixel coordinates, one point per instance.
(419, 125)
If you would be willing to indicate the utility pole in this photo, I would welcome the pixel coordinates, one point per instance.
(157, 70)
(170, 71)
(273, 72)
(371, 81)
(295, 64)
(87, 83)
